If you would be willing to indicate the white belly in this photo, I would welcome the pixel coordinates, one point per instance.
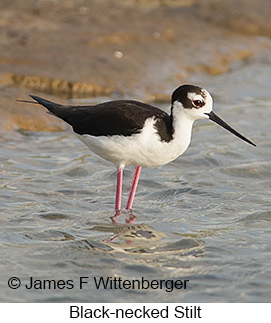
(143, 149)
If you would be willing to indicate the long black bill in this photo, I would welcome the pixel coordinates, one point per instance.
(212, 116)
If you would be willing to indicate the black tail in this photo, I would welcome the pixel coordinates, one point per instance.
(70, 114)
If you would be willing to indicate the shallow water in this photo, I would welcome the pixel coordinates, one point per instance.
(205, 217)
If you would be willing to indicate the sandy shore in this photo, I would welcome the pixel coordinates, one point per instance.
(117, 48)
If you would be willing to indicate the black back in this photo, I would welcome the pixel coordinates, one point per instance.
(120, 117)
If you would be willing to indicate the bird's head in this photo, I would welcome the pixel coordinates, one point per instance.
(197, 103)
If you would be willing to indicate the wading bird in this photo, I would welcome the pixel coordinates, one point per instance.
(128, 132)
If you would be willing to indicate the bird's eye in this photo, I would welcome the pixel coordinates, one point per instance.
(198, 103)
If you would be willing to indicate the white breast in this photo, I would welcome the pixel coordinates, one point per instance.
(143, 149)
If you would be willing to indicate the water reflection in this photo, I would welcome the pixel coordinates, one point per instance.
(141, 238)
(206, 215)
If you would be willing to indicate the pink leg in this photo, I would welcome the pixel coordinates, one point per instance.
(133, 188)
(118, 195)
(119, 191)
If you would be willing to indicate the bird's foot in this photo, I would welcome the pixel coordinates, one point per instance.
(114, 217)
(132, 217)
(129, 219)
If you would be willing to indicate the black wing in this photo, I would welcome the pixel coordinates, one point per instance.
(120, 117)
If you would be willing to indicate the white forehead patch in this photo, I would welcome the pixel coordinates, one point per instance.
(194, 96)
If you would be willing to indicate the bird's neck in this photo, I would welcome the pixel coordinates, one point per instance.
(182, 128)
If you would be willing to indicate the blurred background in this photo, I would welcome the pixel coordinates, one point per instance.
(204, 217)
(137, 48)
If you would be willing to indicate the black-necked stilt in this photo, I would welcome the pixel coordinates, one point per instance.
(128, 132)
